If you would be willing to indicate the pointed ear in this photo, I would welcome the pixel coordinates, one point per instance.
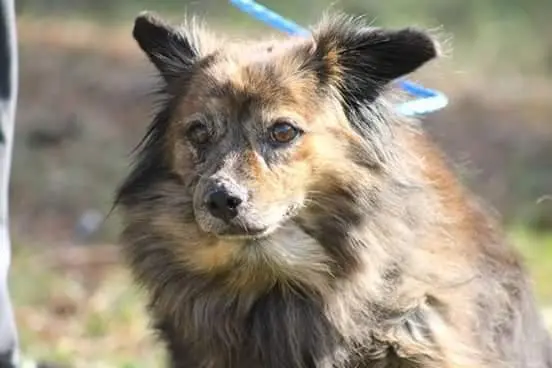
(361, 60)
(169, 49)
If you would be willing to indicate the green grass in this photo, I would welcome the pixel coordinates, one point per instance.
(79, 307)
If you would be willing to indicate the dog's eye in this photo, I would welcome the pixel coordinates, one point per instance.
(283, 131)
(198, 133)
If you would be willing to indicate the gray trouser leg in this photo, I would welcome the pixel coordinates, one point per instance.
(8, 97)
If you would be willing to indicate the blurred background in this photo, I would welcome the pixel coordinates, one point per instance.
(84, 104)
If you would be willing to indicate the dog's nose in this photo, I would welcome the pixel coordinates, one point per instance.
(223, 205)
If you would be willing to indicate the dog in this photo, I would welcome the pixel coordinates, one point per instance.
(281, 214)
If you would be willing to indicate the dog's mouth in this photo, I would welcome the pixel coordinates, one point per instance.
(253, 231)
(246, 232)
(257, 231)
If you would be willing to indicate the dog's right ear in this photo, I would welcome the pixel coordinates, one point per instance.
(171, 50)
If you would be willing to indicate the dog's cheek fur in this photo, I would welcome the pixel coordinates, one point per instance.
(343, 188)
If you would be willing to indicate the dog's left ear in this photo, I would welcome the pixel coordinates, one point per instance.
(361, 60)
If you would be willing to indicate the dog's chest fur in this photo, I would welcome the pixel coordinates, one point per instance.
(279, 330)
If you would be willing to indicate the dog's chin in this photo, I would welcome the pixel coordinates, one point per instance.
(249, 234)
(237, 232)
(245, 233)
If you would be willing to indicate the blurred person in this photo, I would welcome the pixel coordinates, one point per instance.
(9, 349)
(9, 356)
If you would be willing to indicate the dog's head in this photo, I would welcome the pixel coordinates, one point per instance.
(252, 136)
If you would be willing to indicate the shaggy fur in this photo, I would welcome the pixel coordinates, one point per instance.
(353, 246)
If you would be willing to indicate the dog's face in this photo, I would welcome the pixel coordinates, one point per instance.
(241, 135)
(257, 133)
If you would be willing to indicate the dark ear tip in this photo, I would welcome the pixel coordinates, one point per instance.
(145, 22)
(422, 40)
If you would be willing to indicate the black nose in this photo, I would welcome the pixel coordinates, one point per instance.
(223, 205)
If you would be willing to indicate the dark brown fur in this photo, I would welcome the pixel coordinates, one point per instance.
(372, 253)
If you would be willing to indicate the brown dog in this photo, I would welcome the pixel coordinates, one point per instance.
(281, 216)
